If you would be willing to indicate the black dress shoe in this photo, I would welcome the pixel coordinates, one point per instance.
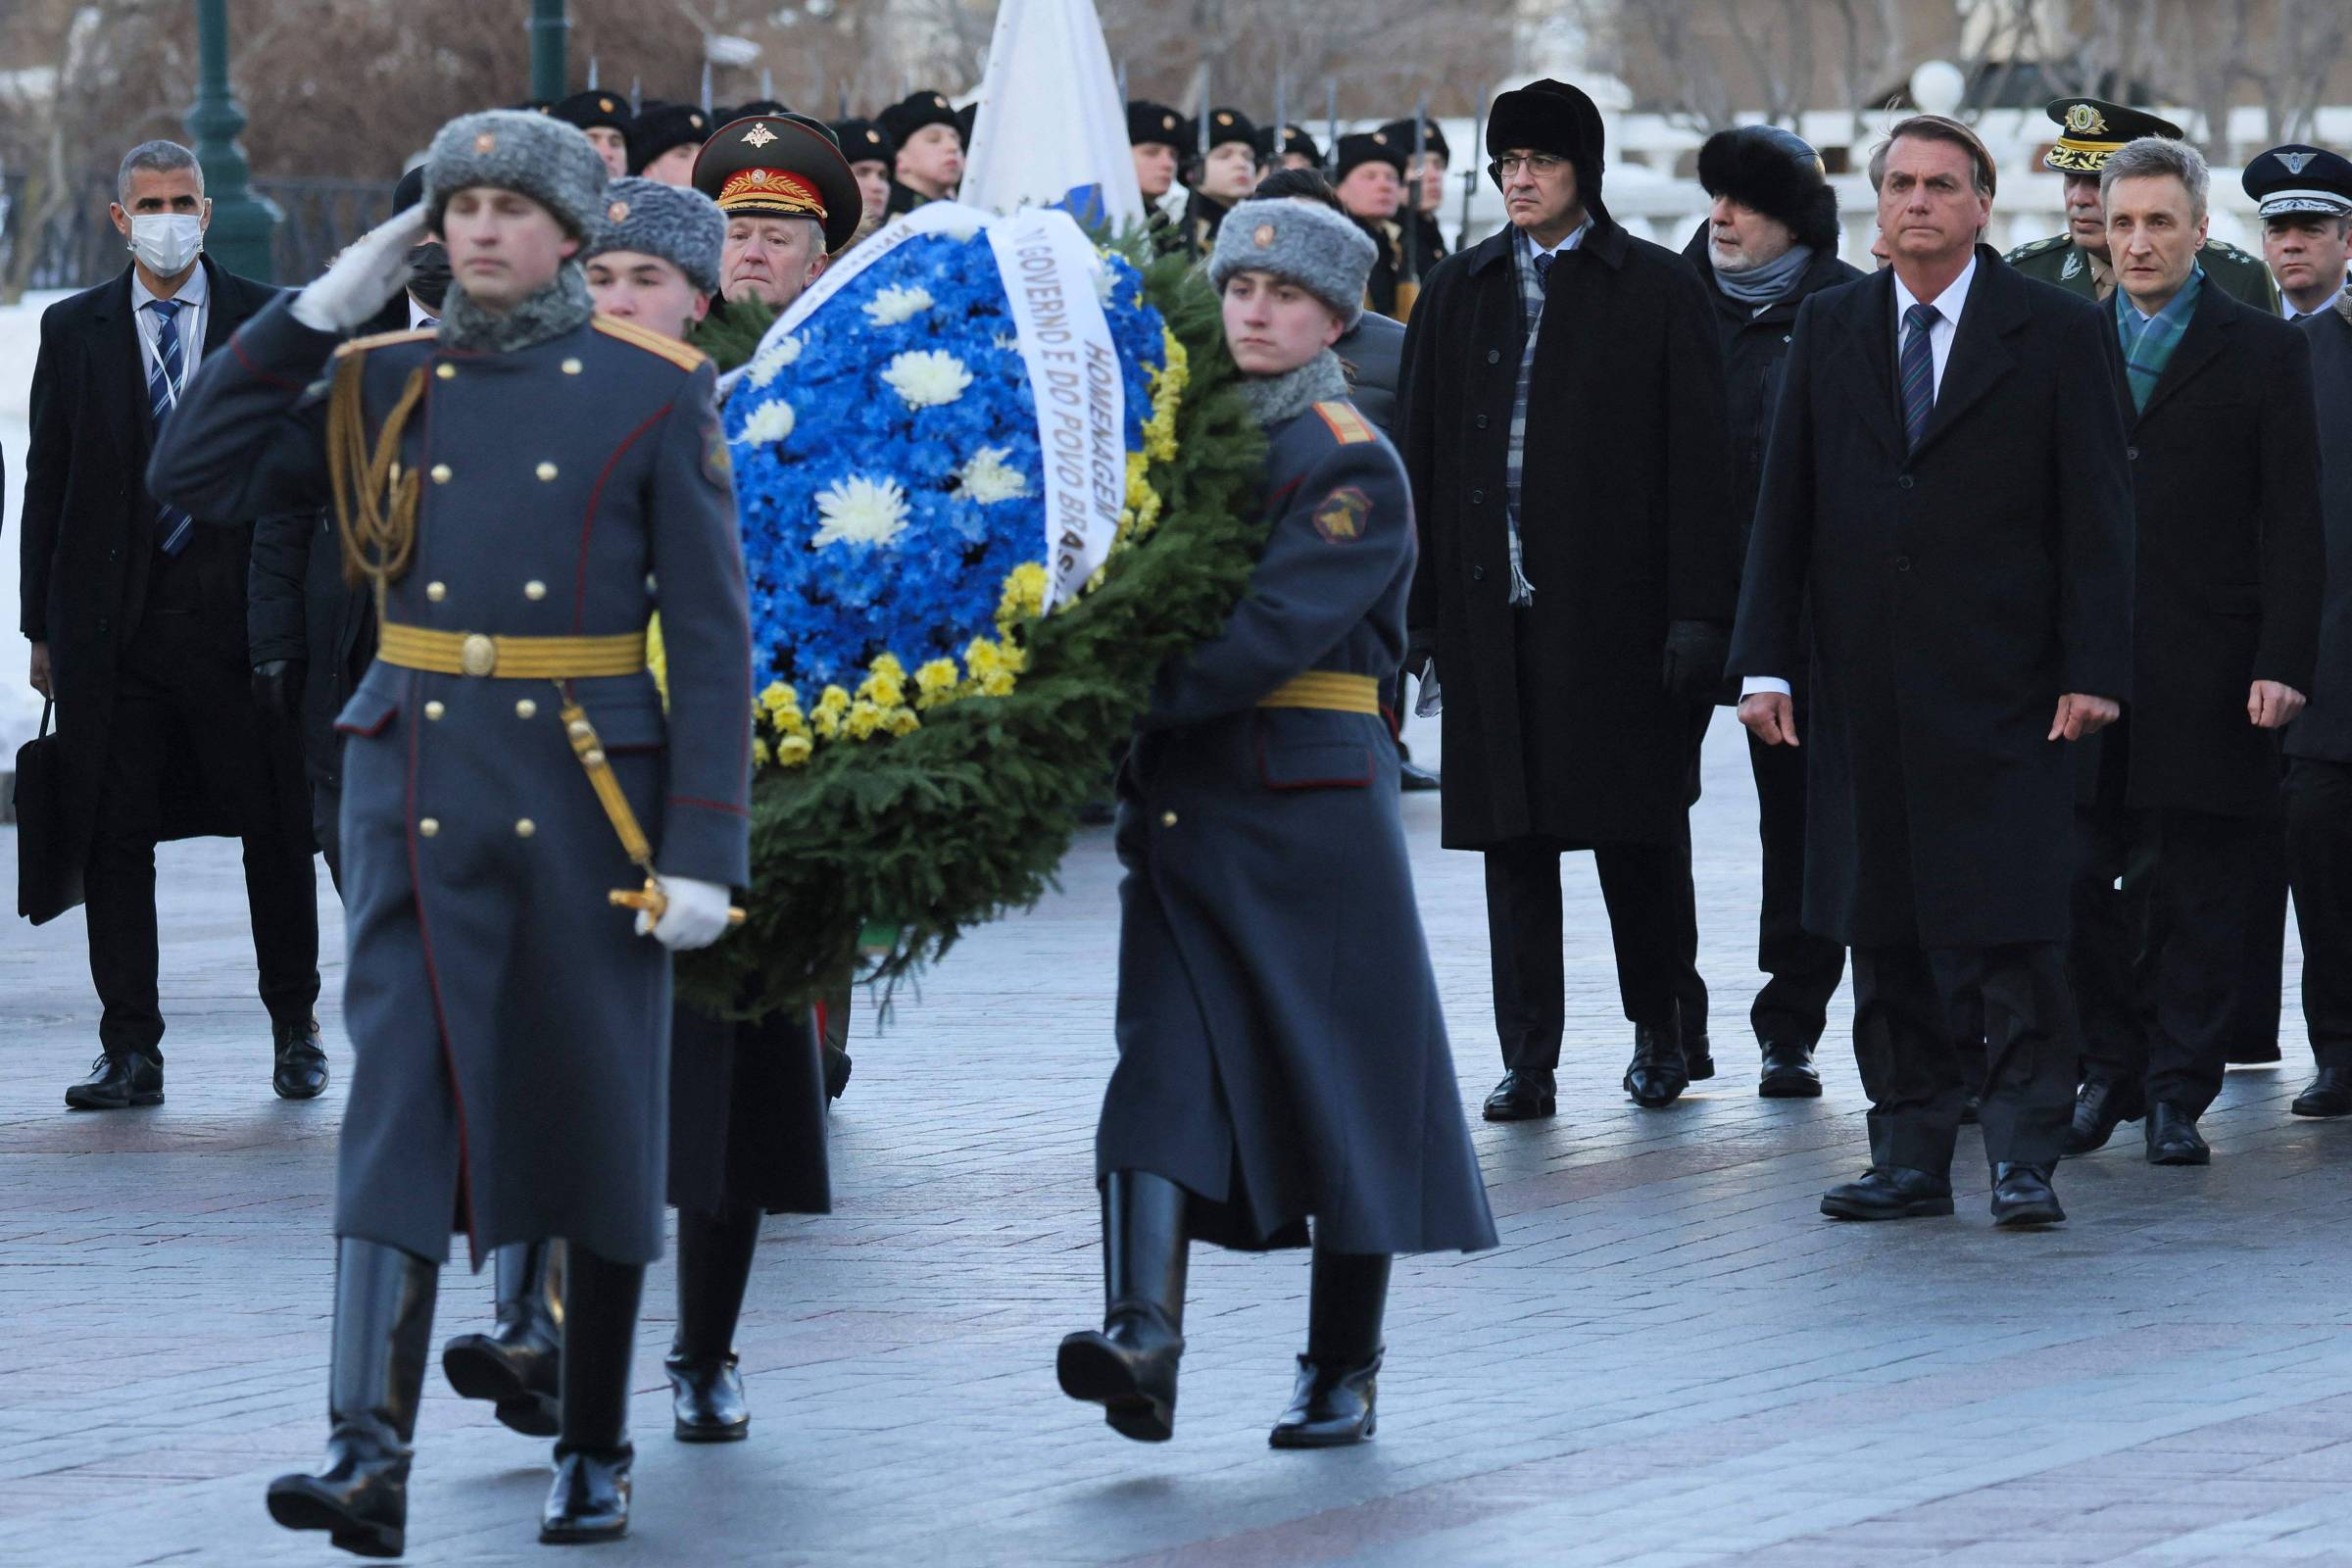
(1657, 1075)
(2173, 1139)
(1331, 1407)
(1525, 1094)
(116, 1083)
(2021, 1196)
(836, 1071)
(1788, 1072)
(1129, 1368)
(1889, 1192)
(2328, 1095)
(706, 1401)
(300, 1069)
(2101, 1104)
(1698, 1057)
(589, 1500)
(1413, 777)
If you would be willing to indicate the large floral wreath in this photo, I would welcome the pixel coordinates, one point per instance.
(926, 733)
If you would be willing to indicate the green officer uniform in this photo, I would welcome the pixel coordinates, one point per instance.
(2090, 131)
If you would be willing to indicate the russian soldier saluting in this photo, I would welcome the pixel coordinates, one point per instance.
(523, 487)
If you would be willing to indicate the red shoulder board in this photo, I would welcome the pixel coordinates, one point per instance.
(1348, 428)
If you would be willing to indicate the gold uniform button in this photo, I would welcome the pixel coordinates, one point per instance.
(526, 708)
(1167, 819)
(545, 471)
(428, 825)
(440, 473)
(434, 709)
(535, 589)
(571, 367)
(525, 828)
(446, 371)
(436, 590)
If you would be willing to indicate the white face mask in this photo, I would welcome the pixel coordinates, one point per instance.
(166, 242)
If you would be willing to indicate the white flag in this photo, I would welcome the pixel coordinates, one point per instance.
(1051, 130)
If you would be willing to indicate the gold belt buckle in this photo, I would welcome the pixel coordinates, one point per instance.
(477, 655)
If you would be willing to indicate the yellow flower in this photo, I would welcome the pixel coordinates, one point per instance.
(887, 665)
(904, 722)
(826, 724)
(864, 718)
(883, 688)
(792, 749)
(656, 657)
(832, 702)
(759, 751)
(997, 683)
(939, 675)
(982, 659)
(1024, 596)
(779, 697)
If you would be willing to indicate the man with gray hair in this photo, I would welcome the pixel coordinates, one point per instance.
(136, 616)
(2184, 790)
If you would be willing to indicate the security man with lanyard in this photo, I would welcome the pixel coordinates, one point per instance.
(523, 487)
(2078, 260)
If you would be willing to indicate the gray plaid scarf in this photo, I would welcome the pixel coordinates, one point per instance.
(1531, 305)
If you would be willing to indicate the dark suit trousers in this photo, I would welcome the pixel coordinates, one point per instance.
(176, 695)
(1803, 968)
(2319, 844)
(1903, 1011)
(2159, 963)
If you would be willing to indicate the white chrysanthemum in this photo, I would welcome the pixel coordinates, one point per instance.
(891, 306)
(861, 511)
(769, 423)
(924, 377)
(1105, 282)
(959, 229)
(772, 359)
(986, 477)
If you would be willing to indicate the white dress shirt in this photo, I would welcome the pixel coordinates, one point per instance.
(1948, 306)
(418, 316)
(195, 298)
(2286, 306)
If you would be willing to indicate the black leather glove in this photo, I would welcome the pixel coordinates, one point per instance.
(1695, 651)
(277, 687)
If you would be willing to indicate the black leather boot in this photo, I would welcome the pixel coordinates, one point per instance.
(1659, 1074)
(517, 1365)
(1332, 1406)
(1129, 1367)
(384, 1333)
(589, 1500)
(714, 1264)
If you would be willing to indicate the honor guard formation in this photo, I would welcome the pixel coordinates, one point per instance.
(2030, 577)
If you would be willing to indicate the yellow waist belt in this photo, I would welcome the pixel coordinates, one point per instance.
(476, 653)
(1326, 689)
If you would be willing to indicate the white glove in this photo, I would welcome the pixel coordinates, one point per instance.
(371, 270)
(696, 917)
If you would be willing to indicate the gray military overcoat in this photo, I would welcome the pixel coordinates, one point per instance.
(1281, 1049)
(511, 1032)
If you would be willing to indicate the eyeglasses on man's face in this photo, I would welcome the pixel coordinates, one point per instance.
(1541, 165)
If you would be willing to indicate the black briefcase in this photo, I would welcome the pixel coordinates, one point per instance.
(48, 879)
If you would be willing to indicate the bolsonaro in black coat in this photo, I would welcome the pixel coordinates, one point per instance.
(1556, 720)
(2225, 472)
(1957, 592)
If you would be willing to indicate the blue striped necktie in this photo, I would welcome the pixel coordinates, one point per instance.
(1918, 371)
(172, 525)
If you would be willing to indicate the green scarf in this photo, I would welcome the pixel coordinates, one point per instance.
(2148, 341)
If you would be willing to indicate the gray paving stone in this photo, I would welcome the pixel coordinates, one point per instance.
(1671, 1360)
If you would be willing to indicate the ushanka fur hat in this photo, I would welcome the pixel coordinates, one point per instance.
(1552, 116)
(680, 225)
(533, 155)
(1318, 249)
(1776, 172)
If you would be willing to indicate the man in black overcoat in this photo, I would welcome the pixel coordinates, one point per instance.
(1564, 434)
(2184, 792)
(1946, 484)
(2319, 746)
(1770, 242)
(136, 616)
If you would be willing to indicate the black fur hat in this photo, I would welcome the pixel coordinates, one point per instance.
(1556, 117)
(1777, 174)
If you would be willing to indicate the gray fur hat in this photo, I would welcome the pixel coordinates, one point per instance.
(532, 155)
(1320, 250)
(676, 222)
